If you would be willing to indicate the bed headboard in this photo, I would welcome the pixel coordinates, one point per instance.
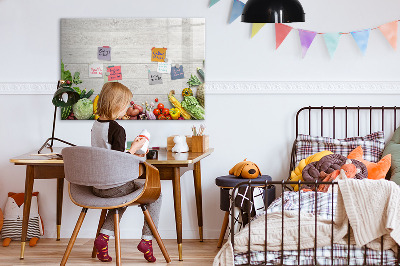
(344, 121)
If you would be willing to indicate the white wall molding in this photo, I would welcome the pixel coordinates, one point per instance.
(28, 88)
(244, 87)
(304, 87)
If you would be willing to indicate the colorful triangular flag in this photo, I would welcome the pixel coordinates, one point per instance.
(306, 39)
(389, 30)
(213, 2)
(361, 37)
(332, 41)
(237, 9)
(281, 31)
(255, 28)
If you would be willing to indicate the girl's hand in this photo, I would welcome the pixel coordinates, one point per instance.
(142, 155)
(137, 144)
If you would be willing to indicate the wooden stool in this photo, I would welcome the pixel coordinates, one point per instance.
(226, 183)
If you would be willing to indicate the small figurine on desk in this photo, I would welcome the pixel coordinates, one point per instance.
(180, 144)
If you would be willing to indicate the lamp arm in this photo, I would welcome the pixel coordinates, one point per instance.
(54, 126)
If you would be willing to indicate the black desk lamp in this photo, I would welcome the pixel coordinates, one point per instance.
(273, 11)
(58, 101)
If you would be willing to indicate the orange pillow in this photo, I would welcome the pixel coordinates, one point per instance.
(375, 170)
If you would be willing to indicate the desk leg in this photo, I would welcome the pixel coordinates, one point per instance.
(197, 189)
(27, 206)
(60, 190)
(176, 182)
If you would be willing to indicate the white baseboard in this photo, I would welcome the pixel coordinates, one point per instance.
(248, 87)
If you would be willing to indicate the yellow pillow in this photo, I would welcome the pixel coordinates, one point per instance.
(296, 174)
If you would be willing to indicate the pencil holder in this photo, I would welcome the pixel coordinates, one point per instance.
(200, 143)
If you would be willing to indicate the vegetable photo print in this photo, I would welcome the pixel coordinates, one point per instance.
(161, 60)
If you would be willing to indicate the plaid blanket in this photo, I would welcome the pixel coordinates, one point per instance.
(340, 254)
(322, 206)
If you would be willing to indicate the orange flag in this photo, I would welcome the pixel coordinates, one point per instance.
(389, 30)
(281, 31)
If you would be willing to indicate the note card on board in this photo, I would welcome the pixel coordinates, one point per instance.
(158, 54)
(95, 70)
(115, 73)
(177, 72)
(164, 67)
(104, 53)
(155, 78)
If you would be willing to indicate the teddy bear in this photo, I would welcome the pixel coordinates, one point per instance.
(245, 169)
(180, 144)
(13, 215)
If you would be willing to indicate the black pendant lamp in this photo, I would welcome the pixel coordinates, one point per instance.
(273, 11)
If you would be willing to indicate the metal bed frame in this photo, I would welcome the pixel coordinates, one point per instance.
(284, 183)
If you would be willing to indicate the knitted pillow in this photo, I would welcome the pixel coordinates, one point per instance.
(328, 164)
(372, 144)
(393, 148)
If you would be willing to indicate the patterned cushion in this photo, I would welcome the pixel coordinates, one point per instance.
(372, 144)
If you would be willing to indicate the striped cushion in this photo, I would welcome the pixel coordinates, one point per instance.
(13, 228)
(372, 145)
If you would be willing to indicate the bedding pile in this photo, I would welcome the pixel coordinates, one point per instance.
(371, 206)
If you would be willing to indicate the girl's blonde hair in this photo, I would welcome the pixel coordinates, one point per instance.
(113, 97)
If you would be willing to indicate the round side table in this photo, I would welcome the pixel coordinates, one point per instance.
(226, 183)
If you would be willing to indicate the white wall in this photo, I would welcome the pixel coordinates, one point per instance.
(257, 126)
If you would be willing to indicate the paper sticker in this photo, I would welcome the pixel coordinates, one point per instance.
(95, 70)
(155, 78)
(115, 73)
(177, 72)
(104, 53)
(158, 54)
(164, 67)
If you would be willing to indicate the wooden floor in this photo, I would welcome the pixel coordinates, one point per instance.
(50, 252)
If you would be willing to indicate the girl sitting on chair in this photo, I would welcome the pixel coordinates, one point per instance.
(106, 133)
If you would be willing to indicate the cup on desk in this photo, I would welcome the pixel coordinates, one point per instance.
(152, 155)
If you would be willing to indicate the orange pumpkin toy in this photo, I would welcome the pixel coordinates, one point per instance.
(245, 169)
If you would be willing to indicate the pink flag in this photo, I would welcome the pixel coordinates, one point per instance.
(281, 31)
(306, 39)
(389, 30)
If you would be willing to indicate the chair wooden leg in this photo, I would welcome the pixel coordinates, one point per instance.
(223, 229)
(73, 237)
(101, 222)
(154, 230)
(117, 239)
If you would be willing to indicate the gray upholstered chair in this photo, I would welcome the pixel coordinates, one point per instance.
(85, 167)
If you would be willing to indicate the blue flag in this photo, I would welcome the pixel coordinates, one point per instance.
(361, 37)
(332, 41)
(237, 9)
(213, 2)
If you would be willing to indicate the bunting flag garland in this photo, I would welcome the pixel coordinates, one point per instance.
(389, 30)
(361, 37)
(306, 39)
(237, 9)
(281, 31)
(255, 28)
(332, 41)
(213, 2)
